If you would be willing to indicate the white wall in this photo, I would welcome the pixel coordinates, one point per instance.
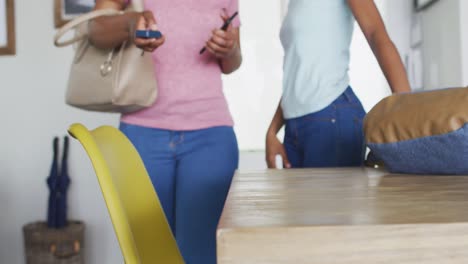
(464, 39)
(32, 85)
(254, 91)
(441, 25)
(444, 45)
(367, 79)
(398, 19)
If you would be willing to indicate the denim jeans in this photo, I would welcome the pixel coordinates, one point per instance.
(332, 137)
(191, 172)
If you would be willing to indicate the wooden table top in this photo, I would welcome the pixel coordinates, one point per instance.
(356, 196)
(350, 215)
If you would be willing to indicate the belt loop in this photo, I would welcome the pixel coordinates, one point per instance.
(349, 94)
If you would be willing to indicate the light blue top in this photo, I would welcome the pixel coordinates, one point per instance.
(316, 37)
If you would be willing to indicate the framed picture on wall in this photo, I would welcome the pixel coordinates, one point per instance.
(65, 10)
(7, 27)
(422, 4)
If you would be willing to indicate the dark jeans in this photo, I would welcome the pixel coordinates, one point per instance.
(332, 137)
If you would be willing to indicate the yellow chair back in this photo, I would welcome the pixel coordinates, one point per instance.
(139, 222)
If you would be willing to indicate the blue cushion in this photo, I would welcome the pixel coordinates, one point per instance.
(440, 154)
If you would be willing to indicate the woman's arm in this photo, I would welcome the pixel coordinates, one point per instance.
(277, 122)
(273, 145)
(111, 31)
(372, 25)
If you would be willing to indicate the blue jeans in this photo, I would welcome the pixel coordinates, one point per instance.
(191, 172)
(332, 137)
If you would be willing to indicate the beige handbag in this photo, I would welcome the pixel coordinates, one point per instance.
(121, 80)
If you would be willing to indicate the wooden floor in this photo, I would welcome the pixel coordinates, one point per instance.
(344, 216)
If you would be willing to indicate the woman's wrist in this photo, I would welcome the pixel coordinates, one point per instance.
(235, 53)
(232, 55)
(131, 24)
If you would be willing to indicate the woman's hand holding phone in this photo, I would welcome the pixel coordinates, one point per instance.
(146, 22)
(223, 43)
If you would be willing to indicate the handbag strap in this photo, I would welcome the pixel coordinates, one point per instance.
(78, 21)
(137, 5)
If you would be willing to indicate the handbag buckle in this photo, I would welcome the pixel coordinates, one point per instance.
(106, 68)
